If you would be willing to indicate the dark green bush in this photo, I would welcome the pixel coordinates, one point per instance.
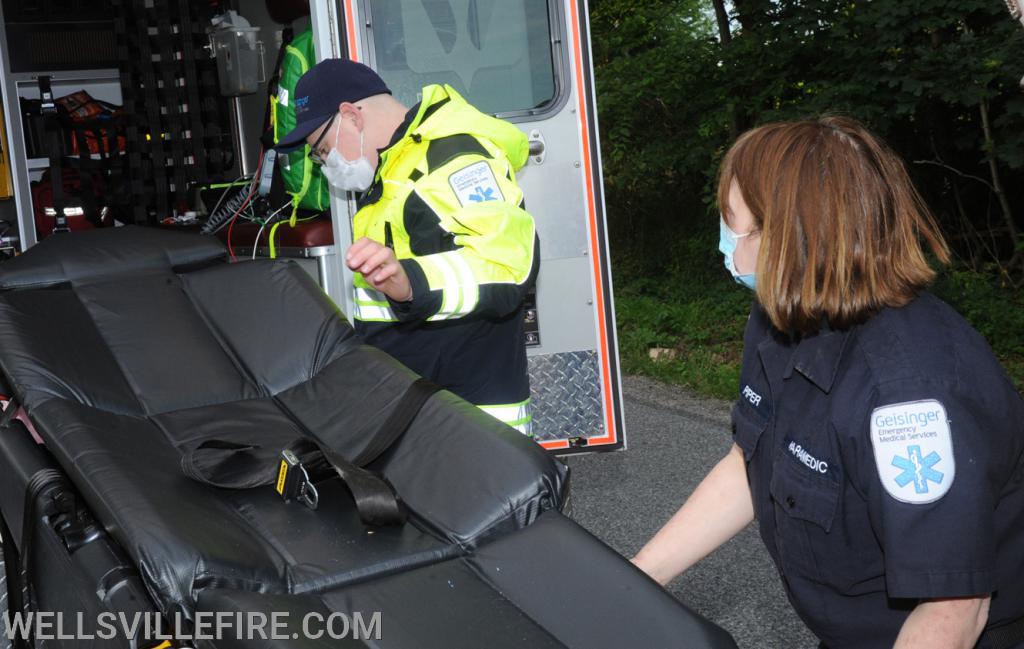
(701, 313)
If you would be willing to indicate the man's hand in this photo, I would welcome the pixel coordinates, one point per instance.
(380, 268)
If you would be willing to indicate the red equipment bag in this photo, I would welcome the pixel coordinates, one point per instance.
(95, 122)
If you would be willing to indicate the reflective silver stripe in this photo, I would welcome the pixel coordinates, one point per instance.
(373, 313)
(369, 295)
(467, 281)
(460, 290)
(450, 291)
(516, 415)
(526, 428)
(372, 306)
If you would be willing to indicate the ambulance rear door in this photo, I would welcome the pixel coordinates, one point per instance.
(526, 61)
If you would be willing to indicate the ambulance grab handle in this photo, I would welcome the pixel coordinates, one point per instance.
(536, 146)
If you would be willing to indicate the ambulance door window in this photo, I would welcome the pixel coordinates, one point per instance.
(495, 53)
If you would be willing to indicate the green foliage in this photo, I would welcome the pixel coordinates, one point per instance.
(706, 333)
(657, 122)
(996, 311)
(672, 98)
(703, 322)
(689, 305)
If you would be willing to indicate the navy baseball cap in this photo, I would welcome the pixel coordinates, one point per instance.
(319, 91)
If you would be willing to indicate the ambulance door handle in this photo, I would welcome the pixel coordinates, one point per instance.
(537, 147)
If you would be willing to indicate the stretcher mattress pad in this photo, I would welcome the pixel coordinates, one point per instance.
(130, 348)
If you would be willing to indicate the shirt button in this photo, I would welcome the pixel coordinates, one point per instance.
(790, 502)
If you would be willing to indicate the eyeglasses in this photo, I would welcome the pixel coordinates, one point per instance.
(314, 151)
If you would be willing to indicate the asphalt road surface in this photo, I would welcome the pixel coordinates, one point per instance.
(674, 439)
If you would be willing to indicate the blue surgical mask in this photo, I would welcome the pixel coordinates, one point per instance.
(727, 245)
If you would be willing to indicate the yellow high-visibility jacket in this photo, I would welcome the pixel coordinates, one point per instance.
(445, 198)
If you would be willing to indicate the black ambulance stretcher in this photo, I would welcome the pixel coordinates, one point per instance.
(153, 371)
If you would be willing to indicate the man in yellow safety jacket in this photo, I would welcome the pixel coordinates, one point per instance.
(444, 250)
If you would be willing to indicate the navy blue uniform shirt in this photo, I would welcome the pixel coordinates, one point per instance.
(886, 464)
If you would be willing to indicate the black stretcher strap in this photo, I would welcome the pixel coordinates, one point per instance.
(398, 421)
(55, 151)
(231, 465)
(376, 501)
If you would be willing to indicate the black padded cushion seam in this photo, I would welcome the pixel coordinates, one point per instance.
(379, 570)
(207, 580)
(241, 508)
(142, 413)
(31, 285)
(205, 252)
(218, 336)
(482, 576)
(320, 360)
(486, 535)
(156, 418)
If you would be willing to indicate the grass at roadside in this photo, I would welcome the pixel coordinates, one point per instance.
(701, 317)
(706, 334)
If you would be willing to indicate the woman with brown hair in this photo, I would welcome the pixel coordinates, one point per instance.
(877, 441)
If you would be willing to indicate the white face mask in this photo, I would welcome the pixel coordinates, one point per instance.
(348, 175)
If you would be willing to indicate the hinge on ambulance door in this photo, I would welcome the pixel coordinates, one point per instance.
(531, 325)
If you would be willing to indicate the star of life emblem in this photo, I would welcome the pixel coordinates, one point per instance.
(475, 184)
(913, 449)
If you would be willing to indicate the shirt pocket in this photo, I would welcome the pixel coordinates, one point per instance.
(802, 493)
(747, 426)
(806, 504)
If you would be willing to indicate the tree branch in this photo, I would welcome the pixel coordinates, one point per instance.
(956, 171)
(997, 183)
(722, 17)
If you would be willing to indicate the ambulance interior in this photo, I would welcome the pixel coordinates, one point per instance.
(212, 117)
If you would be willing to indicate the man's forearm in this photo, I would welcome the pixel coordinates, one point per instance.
(719, 507)
(944, 624)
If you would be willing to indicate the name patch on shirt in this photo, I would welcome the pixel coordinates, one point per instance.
(757, 398)
(806, 458)
(475, 184)
(913, 449)
(751, 396)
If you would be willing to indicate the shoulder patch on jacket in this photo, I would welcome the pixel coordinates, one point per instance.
(913, 450)
(475, 184)
(443, 150)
